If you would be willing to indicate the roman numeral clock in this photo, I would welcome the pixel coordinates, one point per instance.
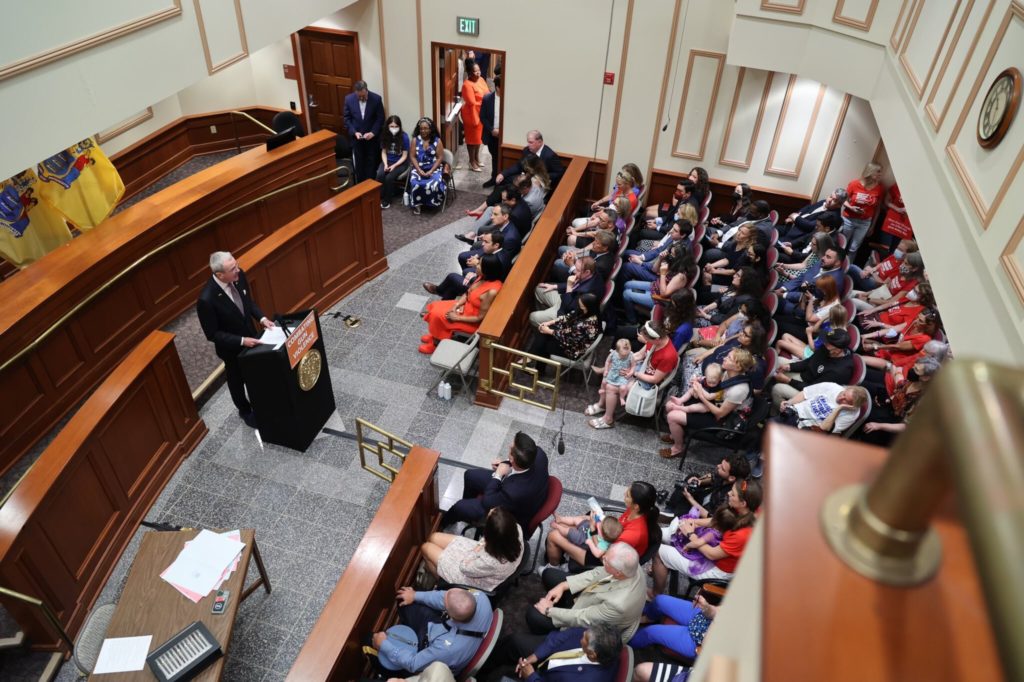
(999, 107)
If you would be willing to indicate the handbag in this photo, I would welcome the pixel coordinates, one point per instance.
(641, 400)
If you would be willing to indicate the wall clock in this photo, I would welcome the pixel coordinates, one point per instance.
(999, 107)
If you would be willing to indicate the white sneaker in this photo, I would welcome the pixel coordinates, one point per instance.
(541, 569)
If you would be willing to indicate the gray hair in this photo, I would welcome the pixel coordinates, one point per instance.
(536, 135)
(936, 349)
(623, 558)
(841, 194)
(606, 642)
(929, 365)
(218, 259)
(359, 86)
(915, 260)
(502, 209)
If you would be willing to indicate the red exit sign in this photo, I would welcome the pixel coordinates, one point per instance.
(609, 78)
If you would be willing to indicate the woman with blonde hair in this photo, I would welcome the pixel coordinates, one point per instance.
(864, 196)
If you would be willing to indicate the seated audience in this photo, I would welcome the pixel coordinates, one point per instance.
(556, 298)
(835, 318)
(831, 363)
(803, 222)
(744, 286)
(569, 335)
(701, 187)
(501, 221)
(659, 214)
(625, 185)
(482, 564)
(824, 406)
(614, 218)
(455, 284)
(675, 270)
(534, 145)
(574, 654)
(709, 491)
(758, 215)
(802, 253)
(394, 158)
(871, 276)
(748, 249)
(903, 349)
(791, 292)
(811, 309)
(601, 249)
(540, 184)
(751, 338)
(894, 288)
(690, 623)
(511, 196)
(426, 188)
(640, 266)
(894, 400)
(465, 313)
(740, 208)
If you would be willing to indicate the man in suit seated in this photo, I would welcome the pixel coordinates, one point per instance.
(580, 654)
(802, 222)
(455, 284)
(535, 145)
(512, 195)
(501, 221)
(519, 484)
(601, 250)
(789, 293)
(226, 312)
(364, 118)
(554, 299)
(612, 594)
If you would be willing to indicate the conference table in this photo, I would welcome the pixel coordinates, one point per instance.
(150, 606)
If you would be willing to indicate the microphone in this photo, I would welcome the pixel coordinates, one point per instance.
(561, 444)
(280, 323)
(664, 127)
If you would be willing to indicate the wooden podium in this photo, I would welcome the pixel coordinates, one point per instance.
(289, 385)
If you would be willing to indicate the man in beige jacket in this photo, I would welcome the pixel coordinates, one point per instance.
(612, 595)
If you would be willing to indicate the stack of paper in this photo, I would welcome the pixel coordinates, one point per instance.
(205, 563)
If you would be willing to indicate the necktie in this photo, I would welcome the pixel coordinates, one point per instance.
(569, 653)
(236, 298)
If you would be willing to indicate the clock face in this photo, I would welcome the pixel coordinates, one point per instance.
(998, 108)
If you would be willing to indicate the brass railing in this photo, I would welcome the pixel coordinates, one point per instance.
(520, 363)
(967, 434)
(380, 449)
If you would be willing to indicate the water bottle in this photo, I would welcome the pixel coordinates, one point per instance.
(447, 391)
(405, 198)
(440, 390)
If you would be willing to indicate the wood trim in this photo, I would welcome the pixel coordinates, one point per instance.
(383, 55)
(124, 126)
(833, 141)
(745, 164)
(918, 85)
(21, 66)
(937, 118)
(664, 87)
(307, 113)
(985, 212)
(862, 24)
(769, 165)
(622, 79)
(419, 54)
(720, 58)
(1012, 264)
(663, 183)
(900, 27)
(220, 66)
(770, 6)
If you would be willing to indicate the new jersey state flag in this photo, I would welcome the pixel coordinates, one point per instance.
(29, 228)
(81, 183)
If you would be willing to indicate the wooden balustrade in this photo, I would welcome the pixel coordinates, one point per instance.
(363, 601)
(91, 335)
(66, 525)
(595, 180)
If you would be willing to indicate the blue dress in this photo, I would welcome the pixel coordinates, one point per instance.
(426, 190)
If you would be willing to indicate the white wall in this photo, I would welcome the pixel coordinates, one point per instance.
(361, 17)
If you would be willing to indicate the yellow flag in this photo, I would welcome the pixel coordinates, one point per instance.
(29, 228)
(81, 183)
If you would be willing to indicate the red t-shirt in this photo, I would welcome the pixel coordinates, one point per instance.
(889, 267)
(634, 532)
(665, 358)
(733, 542)
(906, 359)
(863, 198)
(900, 313)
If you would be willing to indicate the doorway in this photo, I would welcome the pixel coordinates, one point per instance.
(330, 66)
(448, 73)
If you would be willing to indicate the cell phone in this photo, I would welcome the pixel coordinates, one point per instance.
(220, 602)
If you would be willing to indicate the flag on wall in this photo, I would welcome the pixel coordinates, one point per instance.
(29, 228)
(81, 183)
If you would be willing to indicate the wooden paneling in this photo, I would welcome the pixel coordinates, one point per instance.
(699, 109)
(788, 6)
(67, 523)
(363, 601)
(663, 183)
(146, 298)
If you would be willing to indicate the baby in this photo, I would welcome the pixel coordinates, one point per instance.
(619, 358)
(584, 531)
(712, 379)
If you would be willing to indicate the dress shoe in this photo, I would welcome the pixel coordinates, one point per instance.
(489, 183)
(430, 288)
(464, 238)
(474, 214)
(427, 348)
(249, 418)
(666, 453)
(426, 338)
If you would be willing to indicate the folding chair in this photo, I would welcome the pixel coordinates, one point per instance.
(551, 502)
(583, 363)
(448, 177)
(740, 439)
(455, 356)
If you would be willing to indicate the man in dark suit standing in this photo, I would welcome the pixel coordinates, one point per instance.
(226, 313)
(364, 118)
(519, 484)
(490, 116)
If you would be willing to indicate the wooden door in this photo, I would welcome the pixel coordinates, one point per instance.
(330, 65)
(451, 86)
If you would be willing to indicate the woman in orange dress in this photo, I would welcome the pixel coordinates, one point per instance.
(465, 313)
(473, 90)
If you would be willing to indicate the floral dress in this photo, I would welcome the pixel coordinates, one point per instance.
(575, 333)
(426, 190)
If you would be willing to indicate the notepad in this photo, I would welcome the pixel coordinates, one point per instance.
(122, 654)
(202, 564)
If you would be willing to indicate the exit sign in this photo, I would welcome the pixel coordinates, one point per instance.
(468, 26)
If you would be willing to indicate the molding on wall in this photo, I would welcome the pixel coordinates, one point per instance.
(383, 56)
(985, 211)
(66, 50)
(937, 117)
(124, 126)
(1012, 264)
(744, 164)
(419, 53)
(899, 30)
(720, 58)
(770, 6)
(831, 150)
(862, 24)
(664, 87)
(919, 85)
(794, 173)
(210, 66)
(622, 79)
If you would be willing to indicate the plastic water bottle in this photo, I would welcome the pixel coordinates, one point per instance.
(440, 390)
(447, 391)
(405, 198)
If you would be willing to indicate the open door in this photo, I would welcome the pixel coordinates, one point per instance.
(448, 74)
(330, 65)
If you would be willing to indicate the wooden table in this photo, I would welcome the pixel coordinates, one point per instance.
(150, 606)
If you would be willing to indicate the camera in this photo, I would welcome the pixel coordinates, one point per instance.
(806, 286)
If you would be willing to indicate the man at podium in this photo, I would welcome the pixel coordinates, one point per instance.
(227, 313)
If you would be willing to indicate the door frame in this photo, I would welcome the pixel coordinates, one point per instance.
(300, 67)
(435, 46)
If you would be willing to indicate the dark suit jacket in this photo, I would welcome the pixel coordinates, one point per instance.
(604, 263)
(805, 222)
(521, 216)
(221, 321)
(594, 285)
(547, 155)
(566, 640)
(371, 123)
(487, 117)
(522, 494)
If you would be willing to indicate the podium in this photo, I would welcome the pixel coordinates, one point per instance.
(289, 386)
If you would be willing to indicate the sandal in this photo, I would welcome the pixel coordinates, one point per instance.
(666, 438)
(474, 214)
(594, 410)
(666, 453)
(600, 423)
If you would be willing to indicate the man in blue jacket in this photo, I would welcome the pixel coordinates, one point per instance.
(364, 118)
(578, 654)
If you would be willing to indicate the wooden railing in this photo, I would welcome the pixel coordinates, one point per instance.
(69, 318)
(363, 601)
(65, 526)
(507, 320)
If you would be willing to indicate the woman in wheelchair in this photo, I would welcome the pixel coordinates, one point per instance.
(426, 186)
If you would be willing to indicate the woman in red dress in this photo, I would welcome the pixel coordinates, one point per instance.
(473, 90)
(465, 313)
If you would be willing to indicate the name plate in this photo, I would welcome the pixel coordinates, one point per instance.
(301, 339)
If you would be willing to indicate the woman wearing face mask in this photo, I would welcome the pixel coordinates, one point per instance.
(903, 350)
(888, 323)
(394, 158)
(872, 276)
(894, 400)
(740, 206)
(899, 286)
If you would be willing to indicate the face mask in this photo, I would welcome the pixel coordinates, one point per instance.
(912, 295)
(394, 129)
(904, 269)
(912, 375)
(737, 196)
(897, 254)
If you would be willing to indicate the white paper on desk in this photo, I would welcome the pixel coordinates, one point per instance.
(273, 336)
(123, 654)
(200, 565)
